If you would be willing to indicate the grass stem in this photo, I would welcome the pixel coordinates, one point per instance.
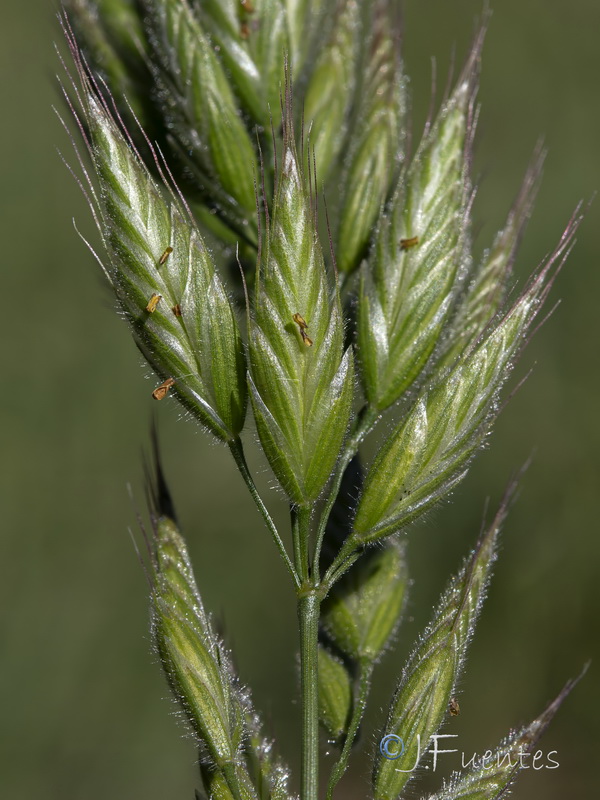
(237, 451)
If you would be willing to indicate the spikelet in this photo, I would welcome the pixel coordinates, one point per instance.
(429, 451)
(200, 349)
(301, 394)
(429, 677)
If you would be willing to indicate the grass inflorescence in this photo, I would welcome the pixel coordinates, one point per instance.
(211, 132)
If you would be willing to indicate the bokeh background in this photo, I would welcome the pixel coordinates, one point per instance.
(84, 711)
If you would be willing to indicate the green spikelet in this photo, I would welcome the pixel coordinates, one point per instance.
(330, 92)
(376, 146)
(493, 774)
(301, 379)
(429, 677)
(205, 116)
(165, 279)
(193, 658)
(335, 694)
(364, 608)
(429, 451)
(407, 289)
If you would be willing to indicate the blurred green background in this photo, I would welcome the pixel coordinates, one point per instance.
(84, 711)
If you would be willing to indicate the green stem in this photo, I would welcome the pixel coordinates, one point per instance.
(361, 692)
(308, 614)
(230, 775)
(299, 546)
(343, 561)
(237, 450)
(364, 422)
